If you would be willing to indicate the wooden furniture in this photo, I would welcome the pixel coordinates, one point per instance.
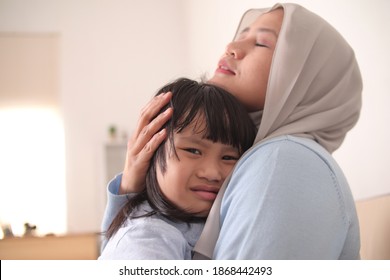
(67, 247)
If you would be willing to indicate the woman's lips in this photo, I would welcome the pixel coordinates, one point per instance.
(224, 68)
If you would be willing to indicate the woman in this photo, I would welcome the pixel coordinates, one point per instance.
(287, 198)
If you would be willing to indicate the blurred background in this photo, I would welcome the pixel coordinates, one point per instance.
(74, 76)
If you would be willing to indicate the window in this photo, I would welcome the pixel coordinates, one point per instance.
(32, 181)
(32, 153)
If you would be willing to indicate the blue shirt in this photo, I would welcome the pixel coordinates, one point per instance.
(288, 199)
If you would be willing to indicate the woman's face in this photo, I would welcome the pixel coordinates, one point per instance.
(244, 68)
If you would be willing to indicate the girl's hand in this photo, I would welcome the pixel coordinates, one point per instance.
(144, 142)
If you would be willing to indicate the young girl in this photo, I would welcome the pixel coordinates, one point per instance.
(207, 133)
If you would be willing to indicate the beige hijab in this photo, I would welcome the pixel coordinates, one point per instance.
(314, 91)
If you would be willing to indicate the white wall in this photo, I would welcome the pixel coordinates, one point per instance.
(116, 53)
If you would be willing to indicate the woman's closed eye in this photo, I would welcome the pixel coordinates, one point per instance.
(261, 45)
(263, 41)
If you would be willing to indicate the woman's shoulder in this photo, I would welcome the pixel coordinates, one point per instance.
(291, 143)
(287, 159)
(287, 148)
(288, 164)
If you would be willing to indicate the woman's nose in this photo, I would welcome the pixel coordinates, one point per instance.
(235, 50)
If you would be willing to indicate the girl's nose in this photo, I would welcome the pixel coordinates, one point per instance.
(210, 171)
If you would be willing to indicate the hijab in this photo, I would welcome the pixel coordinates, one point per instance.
(314, 91)
(314, 87)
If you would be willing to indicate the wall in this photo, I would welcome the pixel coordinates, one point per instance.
(115, 54)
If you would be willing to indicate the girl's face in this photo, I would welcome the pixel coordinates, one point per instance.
(244, 68)
(193, 178)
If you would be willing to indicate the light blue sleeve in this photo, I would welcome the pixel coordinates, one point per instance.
(284, 201)
(114, 203)
(146, 239)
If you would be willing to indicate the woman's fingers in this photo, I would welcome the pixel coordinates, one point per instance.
(150, 148)
(136, 166)
(148, 131)
(149, 112)
(144, 142)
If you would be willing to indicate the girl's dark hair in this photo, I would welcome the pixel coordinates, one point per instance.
(226, 121)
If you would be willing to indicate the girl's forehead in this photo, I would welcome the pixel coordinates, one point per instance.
(197, 126)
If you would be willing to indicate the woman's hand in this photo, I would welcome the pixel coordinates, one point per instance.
(144, 142)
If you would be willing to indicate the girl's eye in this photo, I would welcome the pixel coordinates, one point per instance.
(192, 151)
(230, 158)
